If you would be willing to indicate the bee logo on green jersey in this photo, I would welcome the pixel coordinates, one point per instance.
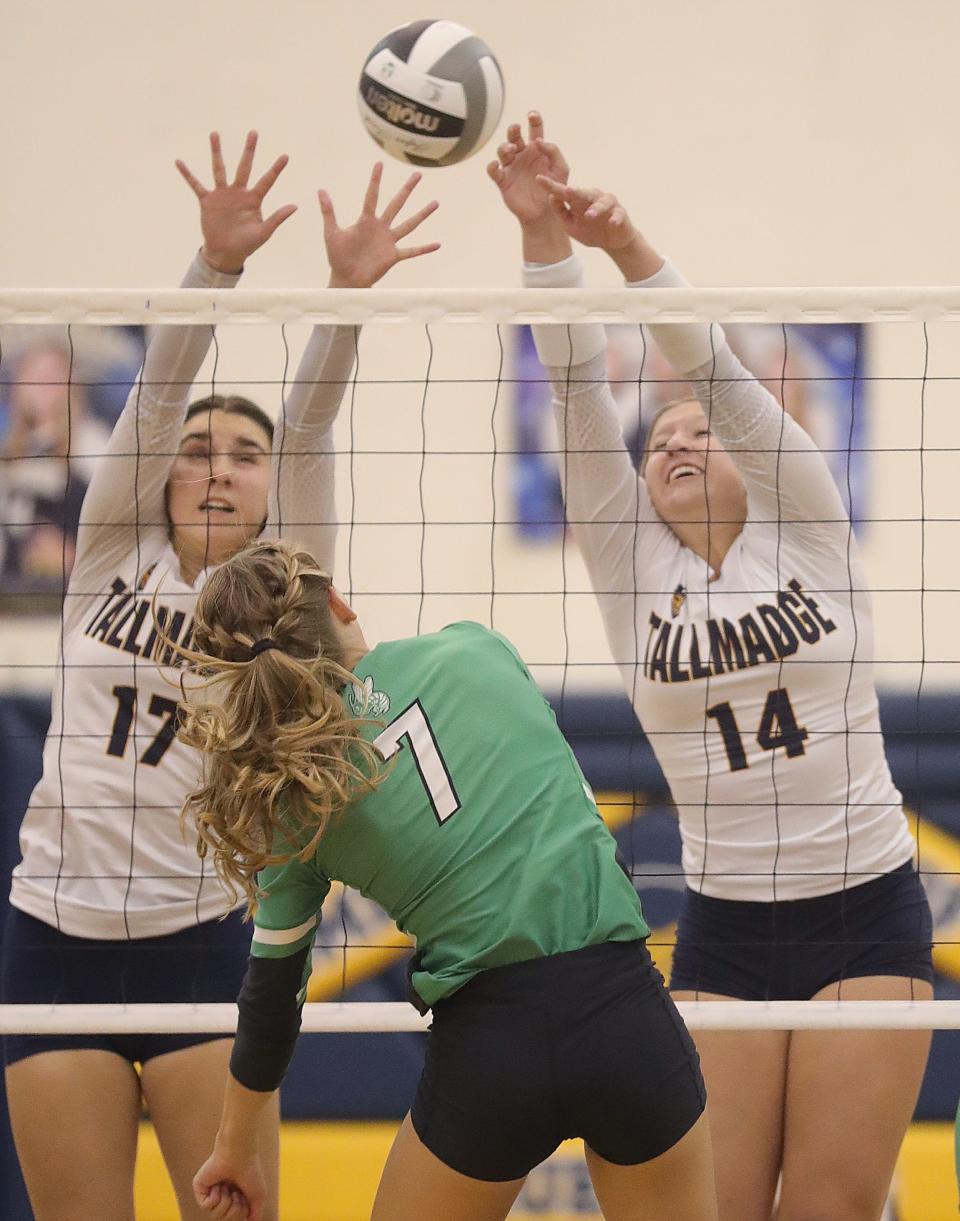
(364, 700)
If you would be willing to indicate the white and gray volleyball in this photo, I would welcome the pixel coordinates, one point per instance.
(431, 93)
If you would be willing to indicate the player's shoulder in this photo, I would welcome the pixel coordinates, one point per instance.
(462, 640)
(469, 635)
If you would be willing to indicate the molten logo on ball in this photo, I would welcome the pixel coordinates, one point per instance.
(397, 110)
(435, 62)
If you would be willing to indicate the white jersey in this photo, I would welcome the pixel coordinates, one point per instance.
(103, 854)
(755, 689)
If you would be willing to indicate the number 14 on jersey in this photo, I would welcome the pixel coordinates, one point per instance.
(778, 727)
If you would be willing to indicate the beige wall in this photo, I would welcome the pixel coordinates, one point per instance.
(756, 142)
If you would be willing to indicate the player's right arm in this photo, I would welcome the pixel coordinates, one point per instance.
(268, 1022)
(126, 494)
(605, 502)
(275, 984)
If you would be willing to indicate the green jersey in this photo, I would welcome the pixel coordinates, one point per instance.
(483, 842)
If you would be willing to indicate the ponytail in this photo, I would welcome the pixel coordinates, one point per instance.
(282, 755)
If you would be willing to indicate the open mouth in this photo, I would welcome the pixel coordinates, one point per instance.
(216, 506)
(684, 472)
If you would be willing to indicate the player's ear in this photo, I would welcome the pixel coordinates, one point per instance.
(340, 607)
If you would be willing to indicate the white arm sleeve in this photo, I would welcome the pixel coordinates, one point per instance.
(126, 494)
(786, 476)
(687, 345)
(302, 504)
(605, 501)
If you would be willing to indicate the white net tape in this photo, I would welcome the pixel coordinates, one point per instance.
(183, 306)
(368, 1017)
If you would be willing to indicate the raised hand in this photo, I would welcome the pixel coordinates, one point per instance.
(231, 214)
(590, 216)
(362, 253)
(597, 218)
(519, 166)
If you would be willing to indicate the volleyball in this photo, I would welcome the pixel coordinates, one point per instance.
(431, 93)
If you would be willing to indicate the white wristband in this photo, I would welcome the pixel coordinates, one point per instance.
(561, 345)
(568, 273)
(202, 275)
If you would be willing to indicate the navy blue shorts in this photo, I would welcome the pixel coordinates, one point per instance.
(790, 950)
(586, 1043)
(40, 965)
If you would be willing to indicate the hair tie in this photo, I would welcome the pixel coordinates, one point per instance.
(261, 646)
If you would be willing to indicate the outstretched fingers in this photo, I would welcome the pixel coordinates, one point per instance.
(414, 252)
(406, 227)
(245, 164)
(190, 179)
(276, 219)
(330, 225)
(373, 189)
(216, 160)
(392, 210)
(266, 181)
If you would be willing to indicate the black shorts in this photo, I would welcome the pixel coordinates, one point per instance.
(40, 965)
(791, 949)
(584, 1044)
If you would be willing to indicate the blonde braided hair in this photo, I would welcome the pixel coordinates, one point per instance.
(282, 755)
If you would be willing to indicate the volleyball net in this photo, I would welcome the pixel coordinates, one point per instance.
(449, 507)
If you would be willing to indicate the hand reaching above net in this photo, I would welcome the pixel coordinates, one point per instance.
(520, 167)
(590, 216)
(594, 217)
(364, 252)
(231, 215)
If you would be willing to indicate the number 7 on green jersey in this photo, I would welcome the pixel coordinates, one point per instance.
(412, 725)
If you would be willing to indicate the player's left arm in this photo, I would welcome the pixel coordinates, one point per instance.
(302, 500)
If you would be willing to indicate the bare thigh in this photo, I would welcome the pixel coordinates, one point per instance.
(850, 1096)
(417, 1186)
(184, 1094)
(678, 1184)
(75, 1117)
(745, 1073)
